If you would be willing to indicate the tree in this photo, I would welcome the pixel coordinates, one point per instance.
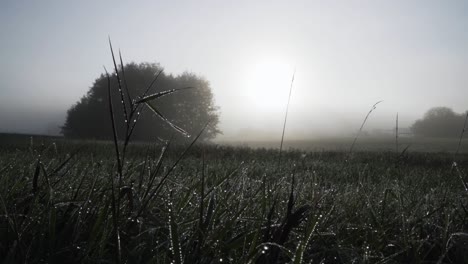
(189, 109)
(439, 122)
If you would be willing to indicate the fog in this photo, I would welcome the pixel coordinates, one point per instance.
(346, 55)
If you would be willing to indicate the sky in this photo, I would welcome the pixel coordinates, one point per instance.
(346, 55)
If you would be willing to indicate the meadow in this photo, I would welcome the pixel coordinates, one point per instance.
(211, 203)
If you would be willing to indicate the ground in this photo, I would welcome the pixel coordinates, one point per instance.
(65, 201)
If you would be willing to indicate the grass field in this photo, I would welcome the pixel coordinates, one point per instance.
(221, 204)
(369, 143)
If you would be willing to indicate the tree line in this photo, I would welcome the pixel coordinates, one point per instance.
(440, 122)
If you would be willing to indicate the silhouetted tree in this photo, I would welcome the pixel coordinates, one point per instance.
(439, 122)
(189, 109)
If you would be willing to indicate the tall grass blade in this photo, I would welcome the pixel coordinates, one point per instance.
(114, 129)
(122, 68)
(115, 205)
(174, 237)
(362, 125)
(137, 110)
(285, 119)
(301, 246)
(119, 82)
(202, 196)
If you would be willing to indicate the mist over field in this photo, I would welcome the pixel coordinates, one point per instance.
(346, 56)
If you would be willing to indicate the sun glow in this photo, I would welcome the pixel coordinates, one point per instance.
(267, 85)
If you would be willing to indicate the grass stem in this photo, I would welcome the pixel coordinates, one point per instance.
(285, 119)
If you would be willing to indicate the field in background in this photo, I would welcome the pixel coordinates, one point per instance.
(225, 204)
(363, 144)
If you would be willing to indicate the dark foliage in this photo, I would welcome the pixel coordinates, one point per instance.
(189, 109)
(439, 122)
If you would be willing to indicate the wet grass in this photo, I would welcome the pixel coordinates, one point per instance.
(229, 205)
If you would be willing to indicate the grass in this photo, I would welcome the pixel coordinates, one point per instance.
(215, 205)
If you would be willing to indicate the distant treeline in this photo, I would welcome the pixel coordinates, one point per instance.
(440, 122)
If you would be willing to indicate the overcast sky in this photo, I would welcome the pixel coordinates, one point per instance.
(347, 55)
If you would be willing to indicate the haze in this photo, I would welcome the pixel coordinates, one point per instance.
(347, 55)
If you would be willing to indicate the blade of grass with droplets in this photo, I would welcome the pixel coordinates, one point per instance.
(202, 196)
(161, 94)
(119, 82)
(147, 195)
(310, 229)
(254, 242)
(138, 109)
(152, 82)
(114, 129)
(125, 83)
(119, 168)
(174, 236)
(209, 212)
(160, 115)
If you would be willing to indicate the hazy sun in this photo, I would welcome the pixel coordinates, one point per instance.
(267, 84)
